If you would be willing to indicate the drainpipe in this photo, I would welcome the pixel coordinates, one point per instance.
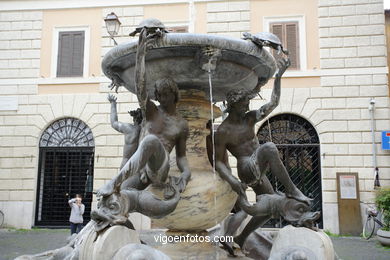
(371, 109)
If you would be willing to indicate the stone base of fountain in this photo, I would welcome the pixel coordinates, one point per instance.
(281, 244)
(191, 249)
(293, 242)
(121, 243)
(107, 244)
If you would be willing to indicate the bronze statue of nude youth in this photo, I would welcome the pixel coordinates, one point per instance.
(236, 134)
(131, 131)
(162, 130)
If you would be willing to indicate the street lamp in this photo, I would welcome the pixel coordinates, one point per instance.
(112, 25)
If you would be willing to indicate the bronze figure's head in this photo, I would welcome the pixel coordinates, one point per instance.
(137, 116)
(166, 91)
(238, 100)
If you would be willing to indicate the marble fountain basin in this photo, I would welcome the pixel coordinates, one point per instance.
(182, 57)
(233, 64)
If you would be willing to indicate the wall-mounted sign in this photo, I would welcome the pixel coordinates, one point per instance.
(348, 187)
(8, 103)
(350, 219)
(385, 140)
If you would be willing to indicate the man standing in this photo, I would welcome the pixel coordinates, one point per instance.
(76, 215)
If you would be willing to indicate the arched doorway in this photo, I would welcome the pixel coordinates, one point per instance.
(299, 148)
(66, 152)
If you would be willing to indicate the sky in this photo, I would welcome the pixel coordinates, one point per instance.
(387, 4)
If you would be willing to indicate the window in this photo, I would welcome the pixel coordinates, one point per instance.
(178, 29)
(70, 59)
(70, 52)
(292, 34)
(288, 33)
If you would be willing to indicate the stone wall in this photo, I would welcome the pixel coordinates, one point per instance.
(130, 17)
(229, 18)
(19, 59)
(20, 130)
(20, 34)
(353, 63)
(353, 69)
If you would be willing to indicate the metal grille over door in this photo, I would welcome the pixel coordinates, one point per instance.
(66, 156)
(299, 149)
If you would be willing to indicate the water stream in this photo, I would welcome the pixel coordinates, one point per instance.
(213, 146)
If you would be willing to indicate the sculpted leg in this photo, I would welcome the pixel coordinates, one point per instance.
(233, 223)
(124, 161)
(267, 154)
(150, 151)
(252, 225)
(270, 205)
(135, 182)
(149, 205)
(264, 187)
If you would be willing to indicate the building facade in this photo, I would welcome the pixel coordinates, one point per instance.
(54, 113)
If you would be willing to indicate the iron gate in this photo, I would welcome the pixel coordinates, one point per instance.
(65, 168)
(299, 150)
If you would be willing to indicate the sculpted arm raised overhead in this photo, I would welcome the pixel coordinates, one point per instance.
(266, 109)
(123, 128)
(147, 106)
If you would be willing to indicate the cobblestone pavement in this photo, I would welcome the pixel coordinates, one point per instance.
(356, 248)
(19, 242)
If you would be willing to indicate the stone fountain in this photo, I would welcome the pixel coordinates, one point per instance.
(205, 69)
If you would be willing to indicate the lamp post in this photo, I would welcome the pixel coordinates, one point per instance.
(112, 25)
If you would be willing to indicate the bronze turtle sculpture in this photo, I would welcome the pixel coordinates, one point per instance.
(266, 39)
(153, 25)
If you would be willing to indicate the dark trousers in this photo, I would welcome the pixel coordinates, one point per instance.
(75, 227)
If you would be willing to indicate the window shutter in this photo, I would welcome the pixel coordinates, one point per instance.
(70, 60)
(288, 34)
(64, 60)
(277, 29)
(78, 54)
(292, 43)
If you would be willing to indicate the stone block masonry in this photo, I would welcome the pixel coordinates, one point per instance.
(20, 44)
(130, 18)
(353, 67)
(19, 145)
(20, 38)
(353, 53)
(229, 18)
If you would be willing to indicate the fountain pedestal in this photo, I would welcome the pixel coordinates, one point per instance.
(207, 199)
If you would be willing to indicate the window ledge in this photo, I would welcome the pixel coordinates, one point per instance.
(72, 80)
(301, 73)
